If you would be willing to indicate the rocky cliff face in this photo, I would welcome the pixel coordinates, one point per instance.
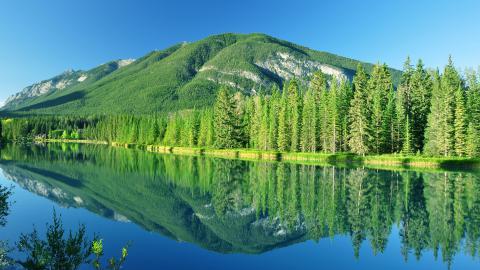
(60, 82)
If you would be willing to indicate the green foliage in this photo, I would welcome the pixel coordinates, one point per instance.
(62, 251)
(360, 134)
(184, 76)
(58, 251)
(227, 122)
(330, 115)
(460, 123)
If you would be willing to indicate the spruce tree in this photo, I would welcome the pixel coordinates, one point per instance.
(226, 122)
(309, 123)
(205, 133)
(390, 124)
(407, 142)
(473, 141)
(264, 124)
(333, 130)
(440, 132)
(421, 92)
(460, 123)
(345, 97)
(318, 85)
(283, 141)
(434, 133)
(359, 127)
(294, 100)
(154, 132)
(450, 82)
(273, 118)
(379, 86)
(473, 114)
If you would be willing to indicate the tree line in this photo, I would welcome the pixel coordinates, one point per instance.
(431, 112)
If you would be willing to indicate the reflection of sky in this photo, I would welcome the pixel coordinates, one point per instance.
(150, 249)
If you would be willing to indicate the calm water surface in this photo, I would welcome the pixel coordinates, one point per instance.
(204, 213)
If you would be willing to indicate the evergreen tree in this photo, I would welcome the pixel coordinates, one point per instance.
(421, 92)
(294, 119)
(283, 141)
(379, 86)
(440, 133)
(205, 133)
(359, 131)
(333, 124)
(264, 124)
(473, 141)
(473, 114)
(226, 123)
(390, 124)
(154, 132)
(318, 85)
(403, 102)
(309, 123)
(273, 118)
(407, 143)
(460, 123)
(345, 97)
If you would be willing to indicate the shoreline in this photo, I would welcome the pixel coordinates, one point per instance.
(346, 159)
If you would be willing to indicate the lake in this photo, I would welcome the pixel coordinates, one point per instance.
(183, 212)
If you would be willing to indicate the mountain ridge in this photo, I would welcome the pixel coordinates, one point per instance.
(187, 75)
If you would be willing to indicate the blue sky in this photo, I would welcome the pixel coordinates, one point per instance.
(39, 39)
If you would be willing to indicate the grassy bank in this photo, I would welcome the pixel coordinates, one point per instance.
(377, 161)
(344, 159)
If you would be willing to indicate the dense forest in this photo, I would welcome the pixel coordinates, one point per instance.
(430, 112)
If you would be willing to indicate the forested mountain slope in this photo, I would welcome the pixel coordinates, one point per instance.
(183, 76)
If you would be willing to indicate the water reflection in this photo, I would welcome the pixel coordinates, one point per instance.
(252, 207)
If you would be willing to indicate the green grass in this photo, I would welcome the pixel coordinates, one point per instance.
(170, 79)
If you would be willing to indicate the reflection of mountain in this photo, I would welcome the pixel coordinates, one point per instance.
(76, 179)
(251, 207)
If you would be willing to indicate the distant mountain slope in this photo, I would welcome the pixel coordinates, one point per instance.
(183, 76)
(64, 81)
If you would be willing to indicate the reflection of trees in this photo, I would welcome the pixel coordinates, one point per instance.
(434, 211)
(4, 211)
(414, 232)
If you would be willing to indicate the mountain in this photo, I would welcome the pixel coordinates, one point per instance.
(66, 80)
(184, 76)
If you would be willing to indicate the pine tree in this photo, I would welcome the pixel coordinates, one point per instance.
(309, 123)
(407, 143)
(390, 123)
(359, 131)
(205, 133)
(440, 132)
(473, 141)
(226, 122)
(263, 127)
(346, 95)
(421, 93)
(379, 86)
(434, 133)
(403, 101)
(473, 114)
(460, 123)
(318, 85)
(154, 132)
(333, 129)
(294, 100)
(283, 141)
(273, 118)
